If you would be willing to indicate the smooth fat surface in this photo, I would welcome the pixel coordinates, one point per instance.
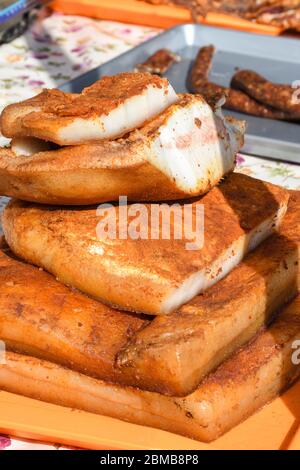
(129, 115)
(228, 260)
(195, 144)
(241, 386)
(144, 274)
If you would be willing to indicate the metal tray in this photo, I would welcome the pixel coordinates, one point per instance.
(276, 58)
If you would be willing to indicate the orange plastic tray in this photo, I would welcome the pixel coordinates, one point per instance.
(160, 16)
(275, 427)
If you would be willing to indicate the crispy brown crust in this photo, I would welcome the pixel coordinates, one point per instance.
(236, 100)
(115, 90)
(239, 205)
(274, 95)
(42, 115)
(159, 62)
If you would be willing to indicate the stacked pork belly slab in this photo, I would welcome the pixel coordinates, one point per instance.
(190, 334)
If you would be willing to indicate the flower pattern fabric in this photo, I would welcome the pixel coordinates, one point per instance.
(60, 48)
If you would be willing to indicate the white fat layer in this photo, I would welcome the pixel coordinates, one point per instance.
(28, 146)
(235, 130)
(131, 114)
(195, 147)
(230, 258)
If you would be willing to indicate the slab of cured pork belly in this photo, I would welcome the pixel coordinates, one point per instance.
(152, 275)
(109, 108)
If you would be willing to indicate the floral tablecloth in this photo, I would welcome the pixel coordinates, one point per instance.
(59, 48)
